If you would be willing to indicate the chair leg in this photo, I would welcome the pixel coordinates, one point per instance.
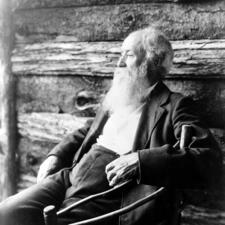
(50, 216)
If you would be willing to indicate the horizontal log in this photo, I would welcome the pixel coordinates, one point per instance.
(32, 153)
(114, 22)
(48, 127)
(198, 71)
(41, 131)
(208, 95)
(32, 4)
(26, 181)
(74, 95)
(52, 127)
(193, 59)
(80, 95)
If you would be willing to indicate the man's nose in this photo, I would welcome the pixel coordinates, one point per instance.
(121, 62)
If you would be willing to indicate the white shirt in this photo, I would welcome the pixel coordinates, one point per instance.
(120, 129)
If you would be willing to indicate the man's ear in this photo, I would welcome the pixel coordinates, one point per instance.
(155, 66)
(153, 59)
(141, 56)
(167, 63)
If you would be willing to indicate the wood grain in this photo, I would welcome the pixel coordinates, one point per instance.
(32, 4)
(8, 139)
(41, 131)
(54, 76)
(115, 22)
(59, 95)
(193, 59)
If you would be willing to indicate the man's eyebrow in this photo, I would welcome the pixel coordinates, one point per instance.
(125, 51)
(130, 51)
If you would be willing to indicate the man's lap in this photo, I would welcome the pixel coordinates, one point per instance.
(26, 207)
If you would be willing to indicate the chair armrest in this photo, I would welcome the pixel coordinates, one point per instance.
(124, 210)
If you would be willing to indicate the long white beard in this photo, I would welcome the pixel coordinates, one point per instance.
(128, 89)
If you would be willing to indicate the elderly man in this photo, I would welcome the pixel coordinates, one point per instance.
(135, 135)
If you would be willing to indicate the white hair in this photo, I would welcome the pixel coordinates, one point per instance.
(156, 47)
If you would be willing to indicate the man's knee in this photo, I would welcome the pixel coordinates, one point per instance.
(8, 212)
(13, 212)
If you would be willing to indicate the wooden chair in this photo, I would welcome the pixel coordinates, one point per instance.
(50, 214)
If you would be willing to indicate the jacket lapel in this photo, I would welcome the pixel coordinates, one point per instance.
(98, 123)
(95, 130)
(152, 112)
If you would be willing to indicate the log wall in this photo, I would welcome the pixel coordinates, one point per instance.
(114, 22)
(64, 58)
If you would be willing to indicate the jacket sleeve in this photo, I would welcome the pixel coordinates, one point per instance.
(66, 149)
(198, 165)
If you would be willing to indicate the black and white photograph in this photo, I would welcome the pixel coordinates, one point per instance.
(112, 112)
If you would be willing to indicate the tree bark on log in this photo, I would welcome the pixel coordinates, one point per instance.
(193, 58)
(8, 102)
(66, 94)
(115, 22)
(59, 73)
(52, 127)
(35, 4)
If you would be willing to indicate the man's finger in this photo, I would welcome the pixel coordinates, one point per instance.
(109, 167)
(114, 163)
(113, 169)
(110, 175)
(117, 178)
(114, 181)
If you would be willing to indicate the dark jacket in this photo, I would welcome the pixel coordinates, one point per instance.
(160, 163)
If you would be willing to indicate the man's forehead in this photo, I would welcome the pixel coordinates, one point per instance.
(131, 42)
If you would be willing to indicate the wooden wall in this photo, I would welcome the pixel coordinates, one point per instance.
(64, 57)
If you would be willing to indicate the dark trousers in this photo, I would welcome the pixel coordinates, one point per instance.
(63, 188)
